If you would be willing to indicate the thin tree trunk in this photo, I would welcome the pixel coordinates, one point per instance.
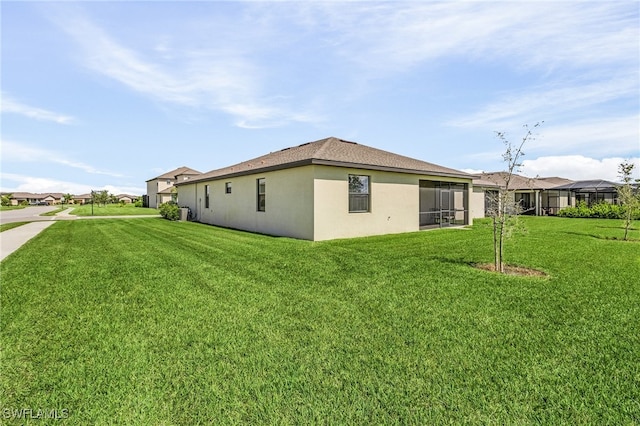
(495, 244)
(627, 223)
(501, 249)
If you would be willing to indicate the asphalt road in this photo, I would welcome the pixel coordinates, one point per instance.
(28, 214)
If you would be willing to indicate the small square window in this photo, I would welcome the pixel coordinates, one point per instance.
(227, 188)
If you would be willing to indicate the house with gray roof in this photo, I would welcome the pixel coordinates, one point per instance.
(537, 196)
(160, 188)
(592, 191)
(327, 189)
(47, 198)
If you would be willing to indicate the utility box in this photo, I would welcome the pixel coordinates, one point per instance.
(184, 214)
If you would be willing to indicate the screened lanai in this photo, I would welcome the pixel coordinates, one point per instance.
(592, 191)
(443, 204)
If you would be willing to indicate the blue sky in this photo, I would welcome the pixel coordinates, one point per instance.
(105, 95)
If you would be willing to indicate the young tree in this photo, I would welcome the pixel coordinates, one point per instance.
(503, 208)
(100, 197)
(628, 195)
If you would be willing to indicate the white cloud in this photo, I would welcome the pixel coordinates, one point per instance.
(544, 35)
(600, 137)
(221, 79)
(10, 105)
(472, 171)
(20, 153)
(548, 102)
(577, 167)
(23, 183)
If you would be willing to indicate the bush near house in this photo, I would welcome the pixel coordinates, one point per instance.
(596, 211)
(170, 210)
(5, 200)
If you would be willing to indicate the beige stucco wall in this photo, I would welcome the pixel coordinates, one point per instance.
(289, 203)
(153, 187)
(187, 196)
(310, 202)
(152, 192)
(395, 203)
(476, 202)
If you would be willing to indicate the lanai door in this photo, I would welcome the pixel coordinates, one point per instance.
(443, 204)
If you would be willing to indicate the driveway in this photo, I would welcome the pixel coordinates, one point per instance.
(28, 214)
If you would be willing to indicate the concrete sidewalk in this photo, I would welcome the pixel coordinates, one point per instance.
(13, 239)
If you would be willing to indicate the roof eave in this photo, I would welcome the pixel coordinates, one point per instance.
(321, 162)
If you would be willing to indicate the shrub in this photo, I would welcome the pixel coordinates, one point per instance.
(170, 210)
(597, 211)
(138, 203)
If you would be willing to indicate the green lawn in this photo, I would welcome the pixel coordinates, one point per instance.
(154, 322)
(111, 210)
(11, 225)
(3, 208)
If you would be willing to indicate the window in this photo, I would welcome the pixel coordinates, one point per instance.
(206, 196)
(261, 194)
(227, 188)
(359, 194)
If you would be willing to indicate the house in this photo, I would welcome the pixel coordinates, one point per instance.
(82, 199)
(47, 199)
(328, 189)
(537, 196)
(591, 191)
(126, 198)
(159, 189)
(18, 198)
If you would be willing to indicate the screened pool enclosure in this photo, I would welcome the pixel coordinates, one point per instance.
(443, 204)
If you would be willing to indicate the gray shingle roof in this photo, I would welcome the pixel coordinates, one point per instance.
(523, 183)
(40, 196)
(335, 152)
(590, 186)
(177, 172)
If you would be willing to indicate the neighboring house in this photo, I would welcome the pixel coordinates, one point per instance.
(48, 199)
(18, 198)
(592, 191)
(329, 189)
(126, 198)
(159, 188)
(82, 199)
(537, 196)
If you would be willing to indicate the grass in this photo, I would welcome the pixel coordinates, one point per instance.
(11, 225)
(112, 210)
(154, 322)
(4, 208)
(54, 212)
